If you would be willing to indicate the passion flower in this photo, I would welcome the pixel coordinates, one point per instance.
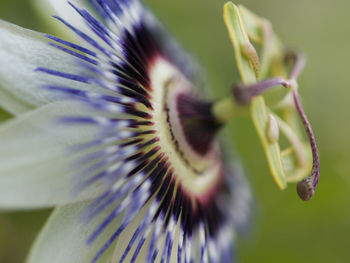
(144, 150)
(115, 131)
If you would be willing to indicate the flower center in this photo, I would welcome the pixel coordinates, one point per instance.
(186, 130)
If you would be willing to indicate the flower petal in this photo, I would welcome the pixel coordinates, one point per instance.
(35, 165)
(63, 239)
(46, 8)
(21, 52)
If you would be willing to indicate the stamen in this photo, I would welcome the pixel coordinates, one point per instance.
(250, 53)
(272, 129)
(243, 94)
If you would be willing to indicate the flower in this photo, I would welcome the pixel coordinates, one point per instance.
(115, 133)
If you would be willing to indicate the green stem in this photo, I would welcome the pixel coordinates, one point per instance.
(226, 109)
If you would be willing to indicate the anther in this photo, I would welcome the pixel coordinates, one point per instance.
(272, 129)
(249, 51)
(243, 94)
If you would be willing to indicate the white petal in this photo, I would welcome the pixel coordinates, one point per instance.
(63, 239)
(21, 52)
(35, 166)
(47, 8)
(127, 234)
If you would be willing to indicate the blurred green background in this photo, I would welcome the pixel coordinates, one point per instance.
(285, 229)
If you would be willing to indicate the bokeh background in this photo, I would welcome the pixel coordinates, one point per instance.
(284, 229)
